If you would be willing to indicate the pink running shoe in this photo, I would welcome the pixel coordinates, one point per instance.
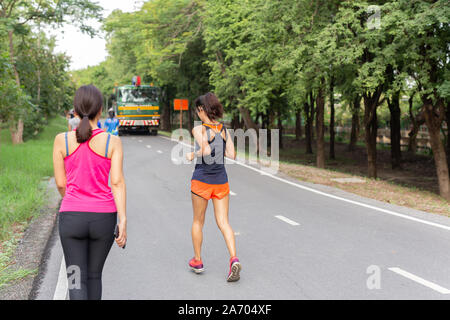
(235, 269)
(196, 265)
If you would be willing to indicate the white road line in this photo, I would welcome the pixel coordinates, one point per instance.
(232, 193)
(404, 216)
(420, 280)
(61, 285)
(149, 146)
(139, 140)
(159, 151)
(293, 223)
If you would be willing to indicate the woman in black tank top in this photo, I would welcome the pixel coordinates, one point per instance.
(210, 180)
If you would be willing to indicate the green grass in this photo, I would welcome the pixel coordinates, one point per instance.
(22, 169)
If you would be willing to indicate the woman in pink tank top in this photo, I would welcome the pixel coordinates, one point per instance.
(84, 161)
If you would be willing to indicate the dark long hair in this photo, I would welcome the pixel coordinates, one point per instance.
(211, 105)
(88, 102)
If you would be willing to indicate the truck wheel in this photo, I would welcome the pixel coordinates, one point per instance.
(154, 132)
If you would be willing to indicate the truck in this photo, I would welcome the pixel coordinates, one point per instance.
(137, 107)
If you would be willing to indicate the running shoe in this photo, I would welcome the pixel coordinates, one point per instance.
(196, 265)
(235, 269)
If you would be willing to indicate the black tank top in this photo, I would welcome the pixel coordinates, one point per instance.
(211, 168)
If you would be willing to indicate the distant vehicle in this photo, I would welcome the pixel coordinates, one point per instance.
(137, 107)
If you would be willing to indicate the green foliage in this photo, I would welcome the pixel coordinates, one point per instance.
(10, 94)
(35, 59)
(45, 78)
(162, 42)
(22, 168)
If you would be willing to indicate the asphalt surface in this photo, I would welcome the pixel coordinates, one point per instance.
(327, 248)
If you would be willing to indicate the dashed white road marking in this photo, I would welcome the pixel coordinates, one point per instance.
(232, 193)
(159, 151)
(61, 285)
(293, 223)
(149, 146)
(404, 216)
(420, 280)
(140, 141)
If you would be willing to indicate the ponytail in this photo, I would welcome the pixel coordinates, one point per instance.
(84, 130)
(88, 103)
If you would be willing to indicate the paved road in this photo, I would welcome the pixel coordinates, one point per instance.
(323, 250)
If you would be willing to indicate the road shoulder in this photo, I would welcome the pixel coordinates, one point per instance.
(32, 249)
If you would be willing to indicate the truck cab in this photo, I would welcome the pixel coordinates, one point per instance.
(137, 108)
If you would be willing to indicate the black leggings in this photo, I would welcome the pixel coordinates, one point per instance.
(86, 238)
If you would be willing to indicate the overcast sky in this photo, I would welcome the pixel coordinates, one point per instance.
(84, 50)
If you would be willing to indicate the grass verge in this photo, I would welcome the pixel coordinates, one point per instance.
(23, 168)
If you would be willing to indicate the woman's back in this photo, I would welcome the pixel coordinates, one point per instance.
(211, 168)
(87, 170)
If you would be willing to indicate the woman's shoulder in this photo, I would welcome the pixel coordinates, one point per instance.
(115, 140)
(60, 138)
(199, 128)
(62, 135)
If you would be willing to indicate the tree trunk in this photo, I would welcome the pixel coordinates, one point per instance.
(312, 110)
(248, 121)
(298, 125)
(371, 145)
(38, 99)
(371, 102)
(412, 144)
(320, 128)
(165, 116)
(235, 122)
(416, 123)
(308, 129)
(440, 159)
(12, 57)
(332, 116)
(395, 125)
(355, 123)
(280, 128)
(447, 114)
(17, 132)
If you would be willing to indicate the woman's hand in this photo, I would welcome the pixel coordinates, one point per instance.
(122, 239)
(190, 156)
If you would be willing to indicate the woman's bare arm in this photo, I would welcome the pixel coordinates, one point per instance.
(118, 188)
(230, 151)
(58, 164)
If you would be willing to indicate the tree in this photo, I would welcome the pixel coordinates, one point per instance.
(164, 43)
(361, 53)
(421, 38)
(16, 17)
(10, 93)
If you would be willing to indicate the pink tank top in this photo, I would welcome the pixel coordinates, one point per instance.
(87, 175)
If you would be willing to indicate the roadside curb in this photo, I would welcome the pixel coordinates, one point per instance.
(30, 252)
